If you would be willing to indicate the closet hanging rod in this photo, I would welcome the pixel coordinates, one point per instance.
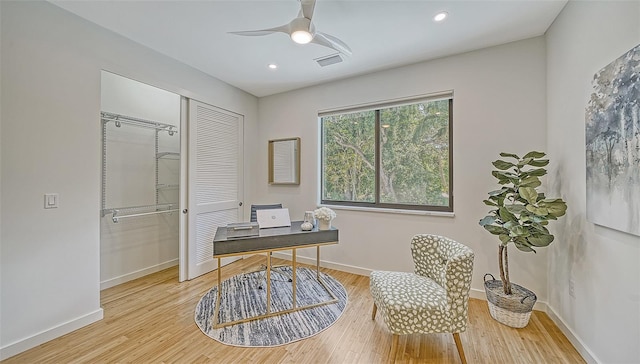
(137, 209)
(115, 217)
(120, 119)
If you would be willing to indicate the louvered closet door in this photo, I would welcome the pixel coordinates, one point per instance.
(215, 180)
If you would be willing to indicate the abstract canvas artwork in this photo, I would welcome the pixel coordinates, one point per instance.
(613, 145)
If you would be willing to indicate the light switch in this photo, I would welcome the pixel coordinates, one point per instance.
(50, 200)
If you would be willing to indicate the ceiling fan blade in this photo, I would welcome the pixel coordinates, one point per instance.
(280, 29)
(306, 8)
(330, 41)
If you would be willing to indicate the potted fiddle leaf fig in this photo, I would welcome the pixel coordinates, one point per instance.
(519, 216)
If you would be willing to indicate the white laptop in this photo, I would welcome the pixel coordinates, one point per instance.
(270, 218)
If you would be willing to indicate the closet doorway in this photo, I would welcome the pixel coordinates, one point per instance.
(140, 188)
(172, 173)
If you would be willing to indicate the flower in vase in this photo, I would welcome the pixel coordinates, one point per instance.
(324, 213)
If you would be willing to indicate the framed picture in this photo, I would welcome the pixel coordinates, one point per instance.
(613, 145)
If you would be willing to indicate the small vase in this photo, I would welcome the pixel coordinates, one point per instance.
(306, 226)
(324, 224)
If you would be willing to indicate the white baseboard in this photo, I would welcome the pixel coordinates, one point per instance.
(582, 349)
(137, 274)
(50, 334)
(326, 264)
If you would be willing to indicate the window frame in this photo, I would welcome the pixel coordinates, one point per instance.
(377, 204)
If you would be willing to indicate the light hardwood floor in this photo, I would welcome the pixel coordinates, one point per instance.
(151, 320)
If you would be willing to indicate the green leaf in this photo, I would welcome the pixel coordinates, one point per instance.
(514, 180)
(505, 215)
(509, 155)
(538, 162)
(542, 231)
(504, 238)
(524, 248)
(528, 193)
(510, 224)
(531, 181)
(519, 231)
(521, 240)
(524, 162)
(541, 211)
(504, 175)
(489, 203)
(498, 192)
(541, 240)
(523, 245)
(539, 219)
(557, 208)
(534, 154)
(487, 220)
(536, 172)
(515, 209)
(502, 165)
(496, 230)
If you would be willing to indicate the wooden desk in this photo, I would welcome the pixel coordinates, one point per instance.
(271, 240)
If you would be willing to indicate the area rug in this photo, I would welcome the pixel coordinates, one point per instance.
(243, 298)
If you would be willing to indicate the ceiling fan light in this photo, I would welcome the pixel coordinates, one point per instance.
(301, 36)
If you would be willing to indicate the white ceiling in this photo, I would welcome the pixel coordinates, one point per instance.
(381, 34)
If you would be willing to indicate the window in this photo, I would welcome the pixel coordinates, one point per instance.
(396, 156)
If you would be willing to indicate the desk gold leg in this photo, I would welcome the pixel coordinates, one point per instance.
(318, 262)
(295, 268)
(268, 283)
(216, 310)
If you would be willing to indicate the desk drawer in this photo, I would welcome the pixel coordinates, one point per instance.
(242, 229)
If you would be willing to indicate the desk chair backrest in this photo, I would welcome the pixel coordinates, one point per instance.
(254, 208)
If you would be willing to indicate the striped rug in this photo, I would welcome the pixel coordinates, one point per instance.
(242, 298)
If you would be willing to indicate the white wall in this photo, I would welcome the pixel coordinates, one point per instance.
(1, 203)
(499, 105)
(604, 264)
(50, 68)
(137, 246)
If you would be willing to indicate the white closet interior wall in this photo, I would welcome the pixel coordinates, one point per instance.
(136, 246)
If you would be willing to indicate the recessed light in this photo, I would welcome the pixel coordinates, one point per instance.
(440, 16)
(272, 66)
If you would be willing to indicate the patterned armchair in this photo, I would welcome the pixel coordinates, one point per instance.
(434, 299)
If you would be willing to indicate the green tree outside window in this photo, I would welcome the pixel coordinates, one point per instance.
(390, 157)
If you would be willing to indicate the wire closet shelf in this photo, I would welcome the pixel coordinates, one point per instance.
(118, 213)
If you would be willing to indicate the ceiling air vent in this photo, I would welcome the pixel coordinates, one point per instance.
(332, 59)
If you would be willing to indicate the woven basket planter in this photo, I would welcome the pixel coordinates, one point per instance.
(513, 310)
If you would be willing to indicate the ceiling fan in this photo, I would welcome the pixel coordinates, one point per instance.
(302, 31)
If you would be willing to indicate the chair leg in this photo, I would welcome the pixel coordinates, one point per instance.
(375, 309)
(394, 348)
(456, 337)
